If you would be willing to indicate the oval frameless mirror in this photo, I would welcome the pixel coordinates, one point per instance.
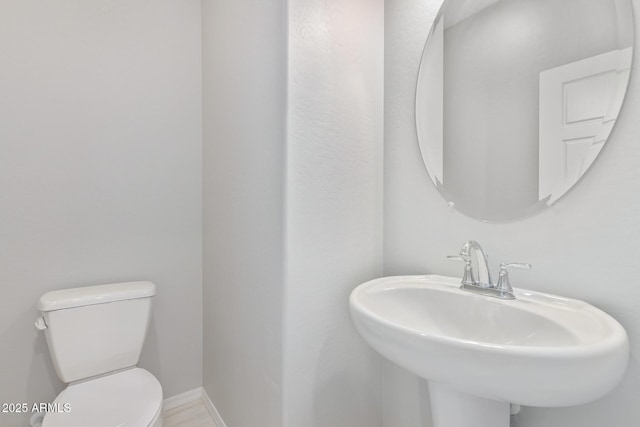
(516, 98)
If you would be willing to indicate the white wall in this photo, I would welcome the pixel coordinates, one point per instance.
(333, 209)
(582, 247)
(100, 175)
(293, 204)
(244, 76)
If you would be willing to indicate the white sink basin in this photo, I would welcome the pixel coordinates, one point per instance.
(537, 350)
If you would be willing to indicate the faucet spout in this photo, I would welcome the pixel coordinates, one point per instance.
(478, 278)
(473, 250)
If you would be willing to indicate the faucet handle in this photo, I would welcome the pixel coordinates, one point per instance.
(504, 284)
(520, 265)
(462, 258)
(467, 278)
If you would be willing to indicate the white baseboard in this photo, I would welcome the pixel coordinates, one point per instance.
(190, 396)
(217, 419)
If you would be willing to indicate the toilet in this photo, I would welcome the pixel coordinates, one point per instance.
(95, 336)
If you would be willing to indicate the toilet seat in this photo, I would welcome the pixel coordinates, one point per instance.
(131, 398)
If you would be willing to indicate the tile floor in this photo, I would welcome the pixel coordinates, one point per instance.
(192, 414)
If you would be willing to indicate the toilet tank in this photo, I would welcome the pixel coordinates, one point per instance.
(93, 330)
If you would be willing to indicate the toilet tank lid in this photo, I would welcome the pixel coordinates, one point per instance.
(98, 294)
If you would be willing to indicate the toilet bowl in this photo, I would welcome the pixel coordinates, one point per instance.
(129, 398)
(95, 336)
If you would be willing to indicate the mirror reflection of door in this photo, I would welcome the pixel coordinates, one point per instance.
(579, 103)
(515, 98)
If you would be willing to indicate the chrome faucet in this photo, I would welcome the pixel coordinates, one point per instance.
(481, 282)
(483, 277)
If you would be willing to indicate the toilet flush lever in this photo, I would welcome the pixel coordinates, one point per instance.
(40, 324)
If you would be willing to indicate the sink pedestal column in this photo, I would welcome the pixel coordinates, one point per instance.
(450, 408)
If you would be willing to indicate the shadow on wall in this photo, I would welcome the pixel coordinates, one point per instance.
(425, 410)
(344, 399)
(41, 357)
(151, 350)
(595, 413)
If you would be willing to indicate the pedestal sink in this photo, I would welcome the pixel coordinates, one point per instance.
(479, 353)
